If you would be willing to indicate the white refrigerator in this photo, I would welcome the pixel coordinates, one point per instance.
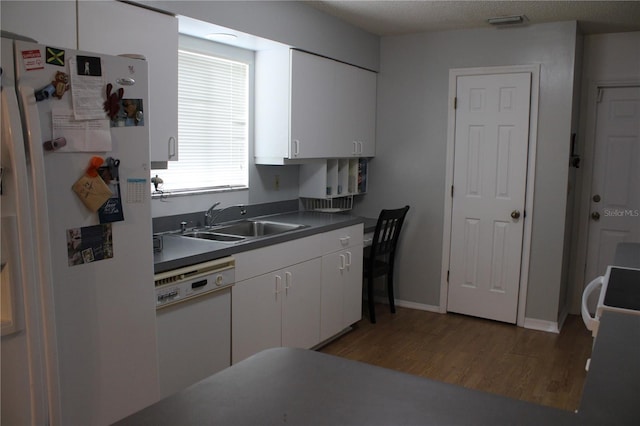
(78, 307)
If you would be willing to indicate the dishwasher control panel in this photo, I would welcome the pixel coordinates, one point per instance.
(185, 283)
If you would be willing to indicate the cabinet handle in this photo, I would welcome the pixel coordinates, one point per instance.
(359, 147)
(296, 147)
(343, 262)
(344, 240)
(278, 284)
(348, 259)
(355, 148)
(287, 281)
(172, 147)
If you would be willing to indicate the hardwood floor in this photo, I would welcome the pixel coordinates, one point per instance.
(534, 366)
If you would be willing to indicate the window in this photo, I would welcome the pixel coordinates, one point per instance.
(213, 122)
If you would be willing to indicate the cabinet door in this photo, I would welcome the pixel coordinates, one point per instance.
(256, 315)
(333, 269)
(341, 291)
(115, 28)
(355, 109)
(352, 287)
(301, 306)
(311, 108)
(48, 22)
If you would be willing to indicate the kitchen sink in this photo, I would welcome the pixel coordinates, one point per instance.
(213, 236)
(239, 231)
(257, 228)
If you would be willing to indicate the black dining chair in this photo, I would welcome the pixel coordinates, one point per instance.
(379, 257)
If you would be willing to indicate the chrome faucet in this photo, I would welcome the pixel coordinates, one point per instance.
(212, 215)
(209, 215)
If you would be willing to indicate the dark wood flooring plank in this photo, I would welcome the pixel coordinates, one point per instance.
(529, 365)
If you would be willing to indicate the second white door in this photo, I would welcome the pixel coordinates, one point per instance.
(615, 193)
(489, 185)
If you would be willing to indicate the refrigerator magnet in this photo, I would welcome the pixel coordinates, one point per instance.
(92, 191)
(111, 210)
(32, 60)
(89, 244)
(55, 56)
(61, 84)
(89, 66)
(112, 104)
(90, 188)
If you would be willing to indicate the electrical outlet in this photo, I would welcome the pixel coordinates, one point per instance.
(277, 182)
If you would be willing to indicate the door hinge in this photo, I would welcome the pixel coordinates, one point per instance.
(451, 191)
(447, 276)
(524, 213)
(455, 103)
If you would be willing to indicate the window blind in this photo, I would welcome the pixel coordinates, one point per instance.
(213, 116)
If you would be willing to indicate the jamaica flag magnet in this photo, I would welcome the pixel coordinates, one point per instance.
(55, 56)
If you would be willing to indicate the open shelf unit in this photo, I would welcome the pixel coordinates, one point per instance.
(331, 180)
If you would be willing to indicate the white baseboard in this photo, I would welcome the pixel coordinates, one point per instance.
(411, 305)
(562, 318)
(541, 325)
(530, 323)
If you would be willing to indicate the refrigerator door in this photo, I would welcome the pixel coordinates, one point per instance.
(103, 300)
(23, 382)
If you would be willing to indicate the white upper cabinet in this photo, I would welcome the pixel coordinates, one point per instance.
(310, 107)
(312, 103)
(52, 23)
(355, 91)
(118, 28)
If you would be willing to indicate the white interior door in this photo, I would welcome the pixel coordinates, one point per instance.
(490, 169)
(615, 186)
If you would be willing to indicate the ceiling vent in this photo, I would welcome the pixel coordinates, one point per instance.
(507, 20)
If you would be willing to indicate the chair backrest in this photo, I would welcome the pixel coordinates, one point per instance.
(388, 227)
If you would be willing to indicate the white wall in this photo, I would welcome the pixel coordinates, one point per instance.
(409, 167)
(607, 58)
(290, 22)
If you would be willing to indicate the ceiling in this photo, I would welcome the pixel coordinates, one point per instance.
(387, 18)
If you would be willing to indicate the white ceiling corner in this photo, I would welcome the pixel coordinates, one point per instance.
(388, 17)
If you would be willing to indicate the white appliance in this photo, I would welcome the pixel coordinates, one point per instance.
(79, 345)
(194, 322)
(619, 292)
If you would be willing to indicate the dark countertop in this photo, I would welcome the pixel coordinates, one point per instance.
(302, 387)
(612, 390)
(180, 251)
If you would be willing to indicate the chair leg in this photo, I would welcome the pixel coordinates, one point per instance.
(372, 308)
(392, 303)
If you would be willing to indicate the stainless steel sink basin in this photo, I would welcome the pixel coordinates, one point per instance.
(239, 231)
(257, 228)
(213, 236)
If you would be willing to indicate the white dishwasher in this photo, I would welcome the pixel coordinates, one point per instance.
(193, 320)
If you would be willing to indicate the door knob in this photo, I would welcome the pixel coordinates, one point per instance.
(515, 214)
(595, 216)
(596, 198)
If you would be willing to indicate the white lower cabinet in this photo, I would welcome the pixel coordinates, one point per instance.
(280, 308)
(341, 303)
(297, 293)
